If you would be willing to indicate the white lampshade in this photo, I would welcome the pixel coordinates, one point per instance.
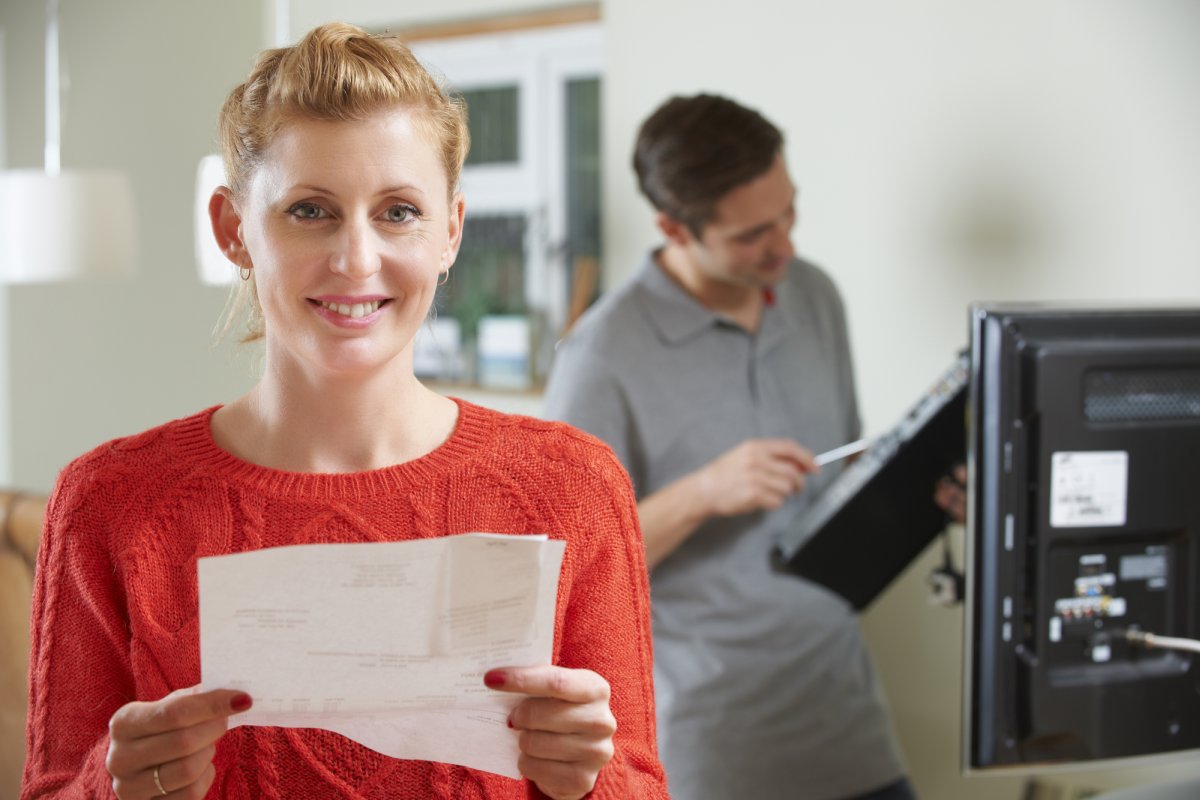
(74, 224)
(215, 268)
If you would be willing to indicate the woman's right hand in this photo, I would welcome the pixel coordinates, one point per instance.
(166, 747)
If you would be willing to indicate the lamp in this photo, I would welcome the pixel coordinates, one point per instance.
(214, 268)
(57, 226)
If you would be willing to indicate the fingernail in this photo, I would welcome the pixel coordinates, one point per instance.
(509, 721)
(494, 678)
(240, 702)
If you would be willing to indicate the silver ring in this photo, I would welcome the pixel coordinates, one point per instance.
(158, 781)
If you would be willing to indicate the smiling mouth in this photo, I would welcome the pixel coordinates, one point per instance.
(352, 311)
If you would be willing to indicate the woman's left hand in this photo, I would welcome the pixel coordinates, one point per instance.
(565, 723)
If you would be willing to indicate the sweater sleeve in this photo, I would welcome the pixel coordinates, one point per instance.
(606, 628)
(79, 670)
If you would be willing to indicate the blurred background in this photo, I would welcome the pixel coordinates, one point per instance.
(945, 152)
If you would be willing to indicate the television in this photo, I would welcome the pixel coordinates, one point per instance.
(1083, 535)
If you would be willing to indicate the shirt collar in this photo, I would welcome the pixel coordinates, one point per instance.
(677, 315)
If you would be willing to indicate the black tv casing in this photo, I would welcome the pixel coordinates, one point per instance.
(1083, 522)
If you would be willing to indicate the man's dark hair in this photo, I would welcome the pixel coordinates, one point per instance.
(692, 151)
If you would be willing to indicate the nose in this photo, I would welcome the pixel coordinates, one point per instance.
(355, 251)
(781, 241)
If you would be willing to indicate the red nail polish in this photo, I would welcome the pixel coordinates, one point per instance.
(240, 701)
(494, 678)
(509, 721)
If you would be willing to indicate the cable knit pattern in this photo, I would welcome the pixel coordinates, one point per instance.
(115, 604)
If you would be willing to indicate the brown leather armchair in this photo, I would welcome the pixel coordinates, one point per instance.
(20, 529)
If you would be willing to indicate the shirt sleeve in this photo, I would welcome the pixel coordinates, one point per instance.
(79, 669)
(845, 367)
(823, 301)
(583, 392)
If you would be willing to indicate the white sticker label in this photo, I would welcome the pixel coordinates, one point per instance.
(1088, 489)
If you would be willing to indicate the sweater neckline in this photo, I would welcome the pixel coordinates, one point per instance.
(194, 437)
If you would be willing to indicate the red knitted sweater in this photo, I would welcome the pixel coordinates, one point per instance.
(115, 606)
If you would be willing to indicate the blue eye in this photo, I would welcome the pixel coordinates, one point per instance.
(307, 211)
(400, 213)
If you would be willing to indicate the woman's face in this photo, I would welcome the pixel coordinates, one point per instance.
(348, 226)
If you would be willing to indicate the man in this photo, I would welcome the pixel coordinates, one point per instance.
(705, 373)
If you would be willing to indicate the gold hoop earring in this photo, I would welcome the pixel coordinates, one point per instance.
(445, 277)
(244, 272)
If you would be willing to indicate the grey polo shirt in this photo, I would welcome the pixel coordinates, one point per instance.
(764, 686)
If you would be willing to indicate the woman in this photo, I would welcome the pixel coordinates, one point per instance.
(341, 212)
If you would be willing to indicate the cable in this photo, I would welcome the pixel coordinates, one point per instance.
(1152, 641)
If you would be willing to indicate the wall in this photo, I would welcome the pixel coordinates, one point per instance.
(142, 84)
(1012, 150)
(946, 152)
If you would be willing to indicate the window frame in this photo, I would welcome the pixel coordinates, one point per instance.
(539, 61)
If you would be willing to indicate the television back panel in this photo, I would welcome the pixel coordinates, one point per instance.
(1084, 523)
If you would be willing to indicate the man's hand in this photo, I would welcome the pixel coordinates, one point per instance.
(755, 475)
(167, 746)
(758, 474)
(565, 723)
(950, 493)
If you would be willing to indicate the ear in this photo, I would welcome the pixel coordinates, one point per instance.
(673, 230)
(227, 226)
(458, 211)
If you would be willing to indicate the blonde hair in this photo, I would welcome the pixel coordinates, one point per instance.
(336, 72)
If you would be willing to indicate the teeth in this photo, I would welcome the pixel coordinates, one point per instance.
(355, 311)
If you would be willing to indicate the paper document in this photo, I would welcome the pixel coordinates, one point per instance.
(383, 642)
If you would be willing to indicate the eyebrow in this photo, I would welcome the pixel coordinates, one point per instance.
(750, 233)
(398, 189)
(754, 232)
(757, 230)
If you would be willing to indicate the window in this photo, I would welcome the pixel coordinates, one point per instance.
(531, 246)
